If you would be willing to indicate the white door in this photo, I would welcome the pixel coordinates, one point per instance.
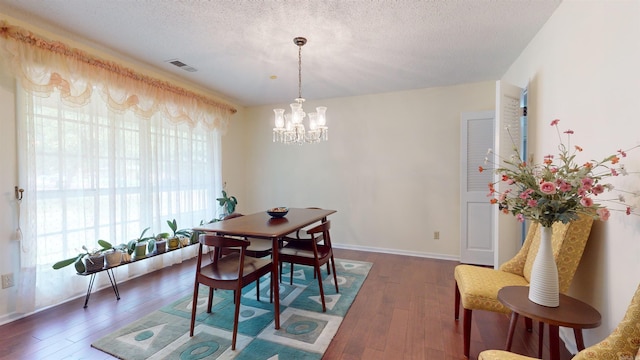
(476, 217)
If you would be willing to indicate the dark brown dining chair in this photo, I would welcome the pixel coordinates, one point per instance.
(233, 271)
(312, 254)
(302, 241)
(257, 248)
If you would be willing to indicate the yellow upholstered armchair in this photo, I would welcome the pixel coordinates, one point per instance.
(477, 287)
(622, 344)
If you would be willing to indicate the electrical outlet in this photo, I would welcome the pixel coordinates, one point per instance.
(436, 235)
(7, 281)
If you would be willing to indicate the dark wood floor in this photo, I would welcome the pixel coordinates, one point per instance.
(403, 311)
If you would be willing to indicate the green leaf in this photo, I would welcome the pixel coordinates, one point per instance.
(172, 225)
(105, 244)
(63, 263)
(151, 245)
(142, 234)
(79, 265)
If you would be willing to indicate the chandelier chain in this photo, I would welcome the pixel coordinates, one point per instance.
(300, 71)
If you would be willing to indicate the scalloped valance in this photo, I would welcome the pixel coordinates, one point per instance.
(43, 66)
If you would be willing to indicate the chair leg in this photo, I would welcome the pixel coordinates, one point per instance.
(272, 286)
(467, 332)
(335, 277)
(236, 316)
(457, 302)
(319, 274)
(210, 300)
(291, 274)
(194, 306)
(258, 289)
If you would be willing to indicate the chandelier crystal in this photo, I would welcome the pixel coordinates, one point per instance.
(289, 128)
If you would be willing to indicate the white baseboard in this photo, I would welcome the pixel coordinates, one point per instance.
(396, 252)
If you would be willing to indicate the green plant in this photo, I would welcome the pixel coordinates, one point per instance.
(178, 233)
(77, 260)
(228, 203)
(131, 246)
(105, 245)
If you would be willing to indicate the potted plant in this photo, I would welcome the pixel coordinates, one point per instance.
(86, 261)
(228, 203)
(158, 243)
(195, 235)
(113, 254)
(139, 246)
(174, 241)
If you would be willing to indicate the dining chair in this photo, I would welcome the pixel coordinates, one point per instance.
(477, 287)
(258, 247)
(233, 271)
(313, 254)
(301, 241)
(623, 343)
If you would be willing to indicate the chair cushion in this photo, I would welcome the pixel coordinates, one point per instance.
(259, 245)
(306, 252)
(479, 287)
(227, 267)
(501, 355)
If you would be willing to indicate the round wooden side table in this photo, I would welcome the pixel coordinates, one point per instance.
(571, 313)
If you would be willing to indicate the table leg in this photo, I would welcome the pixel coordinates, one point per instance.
(512, 328)
(554, 342)
(91, 280)
(275, 249)
(540, 338)
(579, 339)
(114, 283)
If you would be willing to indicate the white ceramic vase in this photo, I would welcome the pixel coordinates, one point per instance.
(543, 289)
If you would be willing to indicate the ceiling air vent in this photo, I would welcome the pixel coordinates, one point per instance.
(182, 65)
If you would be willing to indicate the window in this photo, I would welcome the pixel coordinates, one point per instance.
(94, 173)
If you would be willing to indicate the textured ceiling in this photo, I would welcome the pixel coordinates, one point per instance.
(354, 47)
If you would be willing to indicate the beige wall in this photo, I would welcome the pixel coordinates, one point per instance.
(392, 159)
(390, 167)
(583, 68)
(9, 255)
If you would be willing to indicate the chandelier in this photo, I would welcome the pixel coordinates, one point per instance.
(289, 127)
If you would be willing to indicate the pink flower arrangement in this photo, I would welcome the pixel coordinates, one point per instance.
(551, 192)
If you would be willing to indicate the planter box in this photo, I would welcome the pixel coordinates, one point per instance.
(174, 243)
(113, 258)
(94, 263)
(161, 246)
(141, 250)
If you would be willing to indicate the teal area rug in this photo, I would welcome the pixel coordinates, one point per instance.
(305, 331)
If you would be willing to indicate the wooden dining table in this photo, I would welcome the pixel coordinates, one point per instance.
(262, 225)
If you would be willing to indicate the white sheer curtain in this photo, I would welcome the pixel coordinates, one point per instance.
(104, 152)
(92, 173)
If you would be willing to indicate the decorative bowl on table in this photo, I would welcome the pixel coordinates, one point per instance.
(278, 212)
